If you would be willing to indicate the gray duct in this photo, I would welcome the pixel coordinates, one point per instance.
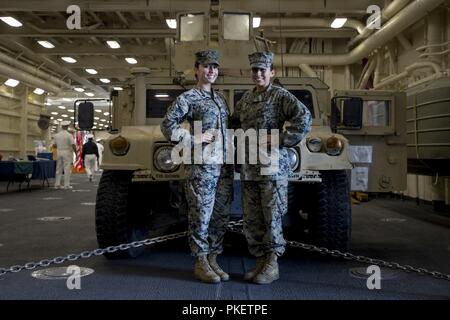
(409, 15)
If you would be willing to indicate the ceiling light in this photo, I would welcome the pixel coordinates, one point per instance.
(104, 80)
(338, 23)
(69, 59)
(39, 91)
(67, 99)
(171, 23)
(64, 115)
(46, 44)
(106, 113)
(113, 44)
(11, 21)
(61, 107)
(256, 22)
(70, 110)
(161, 95)
(79, 89)
(89, 94)
(12, 82)
(96, 118)
(98, 110)
(118, 88)
(91, 71)
(54, 113)
(47, 103)
(131, 60)
(59, 119)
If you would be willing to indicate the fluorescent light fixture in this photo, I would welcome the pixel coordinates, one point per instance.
(131, 60)
(70, 110)
(171, 23)
(64, 115)
(61, 107)
(54, 113)
(89, 94)
(91, 71)
(95, 123)
(39, 91)
(338, 23)
(106, 113)
(118, 88)
(59, 119)
(47, 103)
(69, 59)
(96, 118)
(67, 99)
(103, 120)
(256, 22)
(113, 44)
(79, 89)
(51, 118)
(11, 21)
(98, 110)
(104, 80)
(12, 82)
(46, 44)
(161, 95)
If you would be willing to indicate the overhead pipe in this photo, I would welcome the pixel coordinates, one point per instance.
(308, 70)
(367, 74)
(32, 70)
(408, 16)
(408, 70)
(309, 22)
(27, 78)
(391, 10)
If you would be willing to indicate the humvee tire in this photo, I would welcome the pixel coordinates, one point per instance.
(117, 221)
(330, 216)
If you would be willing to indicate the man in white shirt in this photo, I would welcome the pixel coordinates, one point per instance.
(100, 148)
(65, 146)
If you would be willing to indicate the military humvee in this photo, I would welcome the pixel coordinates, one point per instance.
(141, 191)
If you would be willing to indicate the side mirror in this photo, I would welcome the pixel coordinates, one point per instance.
(85, 115)
(352, 113)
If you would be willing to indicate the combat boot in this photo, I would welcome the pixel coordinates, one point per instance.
(203, 270)
(269, 272)
(212, 258)
(257, 269)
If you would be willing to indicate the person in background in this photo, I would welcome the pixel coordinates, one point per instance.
(65, 145)
(100, 148)
(90, 156)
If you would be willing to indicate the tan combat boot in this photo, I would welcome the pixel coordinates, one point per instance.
(203, 271)
(269, 272)
(260, 261)
(212, 258)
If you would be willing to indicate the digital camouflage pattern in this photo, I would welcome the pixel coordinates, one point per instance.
(269, 110)
(205, 108)
(207, 57)
(264, 197)
(261, 59)
(208, 186)
(264, 204)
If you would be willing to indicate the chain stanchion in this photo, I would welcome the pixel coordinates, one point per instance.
(233, 226)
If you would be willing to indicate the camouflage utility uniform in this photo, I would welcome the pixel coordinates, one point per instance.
(264, 197)
(208, 186)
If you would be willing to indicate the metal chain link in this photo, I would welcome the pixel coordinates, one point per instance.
(234, 226)
(361, 259)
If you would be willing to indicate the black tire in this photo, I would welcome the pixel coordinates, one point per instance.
(330, 219)
(117, 220)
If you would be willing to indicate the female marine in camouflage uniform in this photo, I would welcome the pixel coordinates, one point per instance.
(208, 186)
(264, 196)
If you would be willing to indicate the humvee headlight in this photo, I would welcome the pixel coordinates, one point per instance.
(163, 159)
(314, 144)
(294, 158)
(119, 146)
(334, 146)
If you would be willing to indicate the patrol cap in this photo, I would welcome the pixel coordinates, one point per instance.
(65, 123)
(90, 136)
(261, 59)
(207, 57)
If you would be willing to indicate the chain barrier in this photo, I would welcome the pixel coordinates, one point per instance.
(233, 226)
